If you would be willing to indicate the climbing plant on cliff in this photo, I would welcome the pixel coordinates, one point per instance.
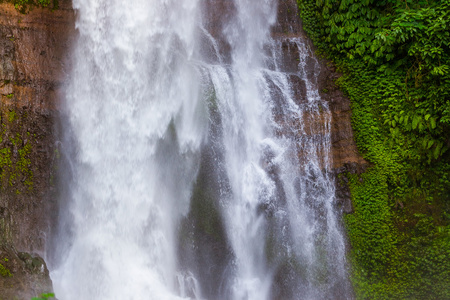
(395, 60)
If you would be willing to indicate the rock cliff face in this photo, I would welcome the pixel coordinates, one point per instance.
(344, 153)
(34, 51)
(34, 60)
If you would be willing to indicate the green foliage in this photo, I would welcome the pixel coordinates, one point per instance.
(395, 58)
(45, 296)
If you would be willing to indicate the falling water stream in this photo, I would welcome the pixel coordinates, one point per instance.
(195, 169)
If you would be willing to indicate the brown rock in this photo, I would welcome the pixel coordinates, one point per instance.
(344, 153)
(34, 51)
(22, 275)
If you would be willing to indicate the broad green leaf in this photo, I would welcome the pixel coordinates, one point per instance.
(421, 126)
(437, 151)
(424, 143)
(415, 121)
(433, 123)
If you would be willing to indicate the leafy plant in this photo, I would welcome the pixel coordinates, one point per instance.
(45, 296)
(395, 58)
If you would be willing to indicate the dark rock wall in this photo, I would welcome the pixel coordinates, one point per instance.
(34, 52)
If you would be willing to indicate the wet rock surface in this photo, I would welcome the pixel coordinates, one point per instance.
(344, 153)
(23, 275)
(34, 52)
(344, 158)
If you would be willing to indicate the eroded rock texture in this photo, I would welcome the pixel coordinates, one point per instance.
(34, 51)
(345, 157)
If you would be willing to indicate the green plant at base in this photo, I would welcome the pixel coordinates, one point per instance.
(44, 296)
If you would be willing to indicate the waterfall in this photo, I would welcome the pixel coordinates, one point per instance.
(196, 159)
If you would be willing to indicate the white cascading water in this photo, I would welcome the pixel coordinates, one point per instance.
(195, 171)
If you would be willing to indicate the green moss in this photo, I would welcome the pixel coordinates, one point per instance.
(4, 271)
(11, 116)
(15, 156)
(393, 258)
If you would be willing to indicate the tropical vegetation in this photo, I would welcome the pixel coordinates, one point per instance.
(394, 56)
